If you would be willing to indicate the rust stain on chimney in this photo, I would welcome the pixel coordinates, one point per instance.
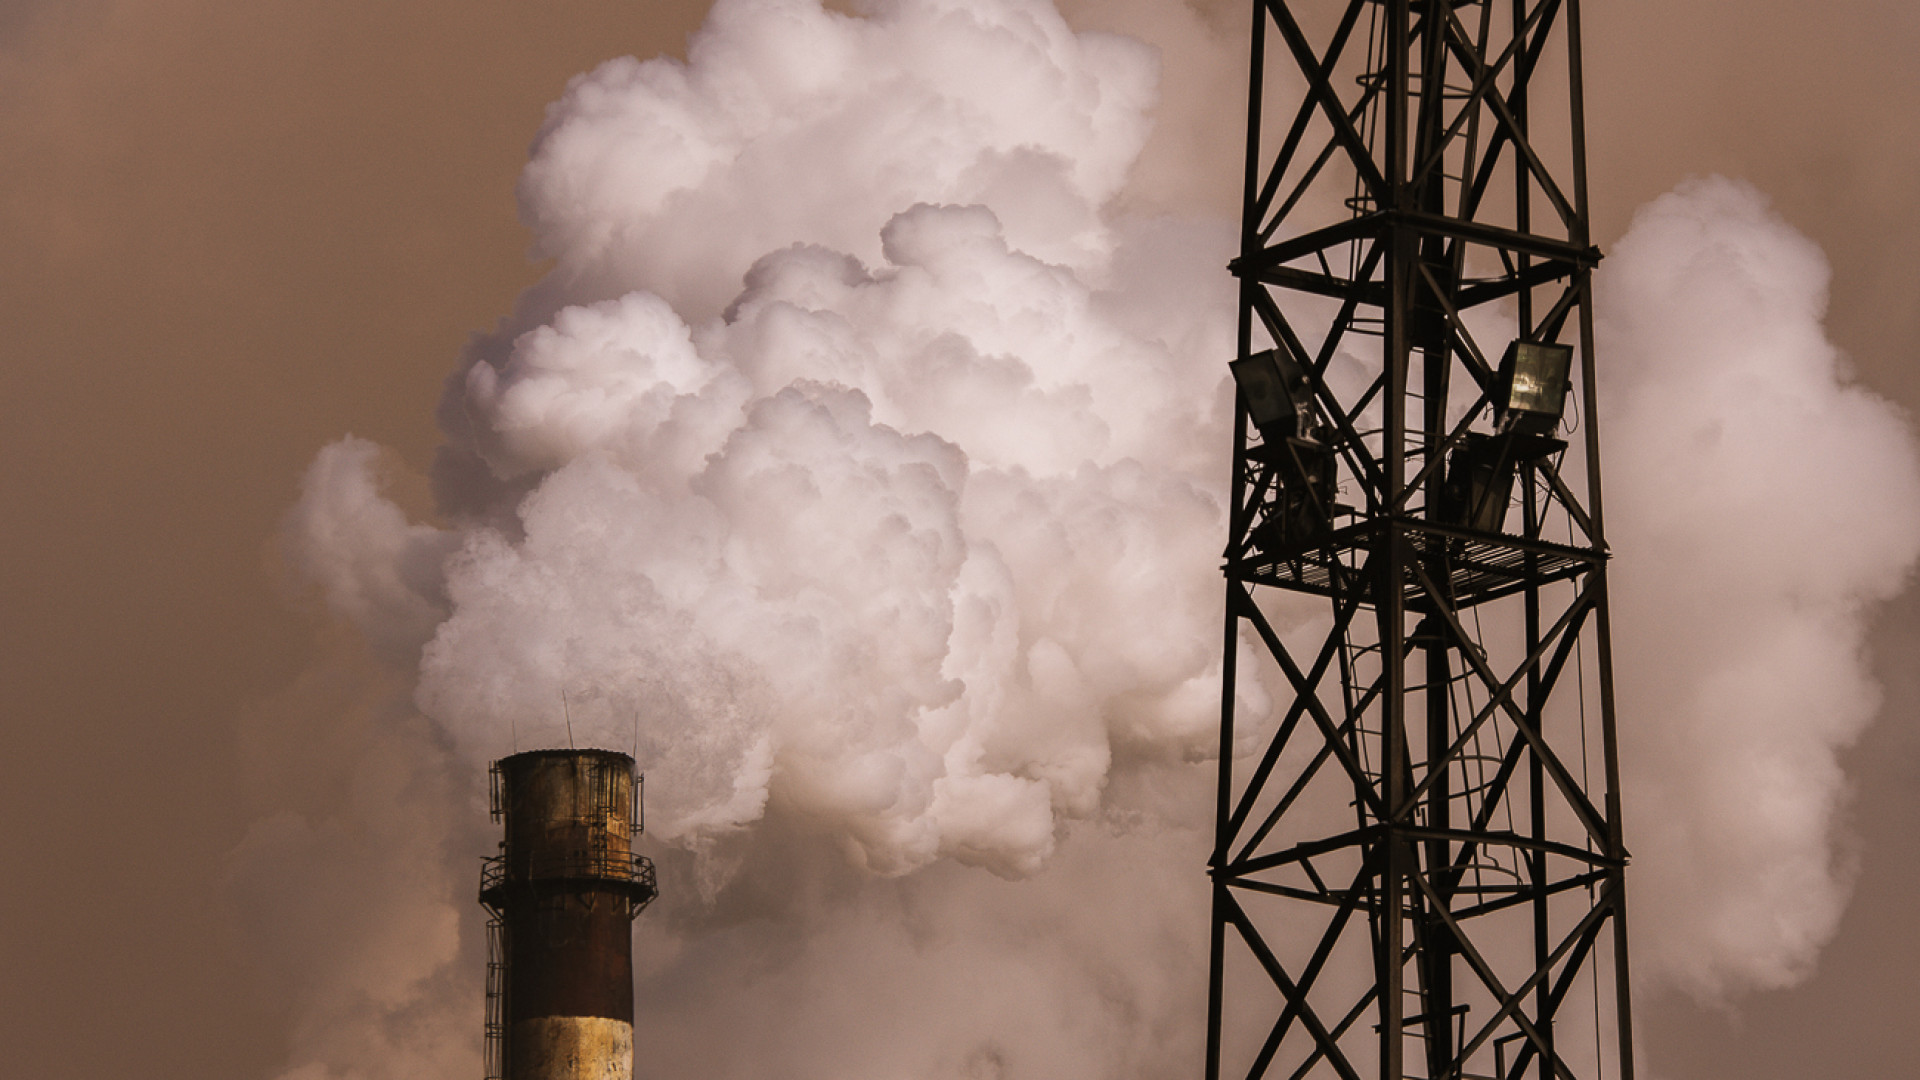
(563, 893)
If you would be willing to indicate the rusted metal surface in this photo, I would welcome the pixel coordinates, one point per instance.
(567, 799)
(569, 954)
(564, 889)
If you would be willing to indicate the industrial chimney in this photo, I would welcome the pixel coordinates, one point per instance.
(562, 894)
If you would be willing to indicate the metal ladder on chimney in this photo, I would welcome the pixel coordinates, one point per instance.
(496, 1040)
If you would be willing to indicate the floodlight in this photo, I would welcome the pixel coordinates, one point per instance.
(1278, 396)
(1302, 514)
(1480, 473)
(1530, 392)
(1478, 484)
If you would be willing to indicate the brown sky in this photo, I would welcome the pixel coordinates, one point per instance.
(232, 230)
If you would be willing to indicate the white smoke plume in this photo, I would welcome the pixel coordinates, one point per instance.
(859, 469)
(860, 464)
(1761, 504)
(792, 124)
(889, 539)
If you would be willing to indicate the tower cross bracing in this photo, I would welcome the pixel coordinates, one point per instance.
(1419, 865)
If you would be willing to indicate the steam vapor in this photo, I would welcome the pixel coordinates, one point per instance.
(887, 540)
(1762, 505)
(860, 465)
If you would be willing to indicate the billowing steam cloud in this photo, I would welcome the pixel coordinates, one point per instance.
(790, 124)
(1761, 506)
(861, 467)
(915, 542)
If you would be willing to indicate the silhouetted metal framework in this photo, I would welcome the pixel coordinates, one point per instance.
(1419, 868)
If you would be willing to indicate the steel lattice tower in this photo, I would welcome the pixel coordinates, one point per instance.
(1419, 871)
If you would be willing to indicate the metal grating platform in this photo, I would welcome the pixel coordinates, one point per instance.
(1480, 566)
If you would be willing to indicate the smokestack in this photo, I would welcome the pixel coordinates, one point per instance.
(563, 893)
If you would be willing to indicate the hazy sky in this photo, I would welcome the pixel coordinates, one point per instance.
(234, 231)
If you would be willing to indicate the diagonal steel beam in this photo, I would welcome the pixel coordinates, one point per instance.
(1307, 774)
(1530, 62)
(1510, 1003)
(1256, 782)
(1339, 1030)
(1590, 818)
(1322, 91)
(1271, 964)
(1315, 964)
(1479, 88)
(1464, 51)
(1363, 784)
(1295, 132)
(1502, 696)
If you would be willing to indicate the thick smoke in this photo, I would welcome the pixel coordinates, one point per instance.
(913, 545)
(858, 469)
(1761, 505)
(790, 124)
(859, 464)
